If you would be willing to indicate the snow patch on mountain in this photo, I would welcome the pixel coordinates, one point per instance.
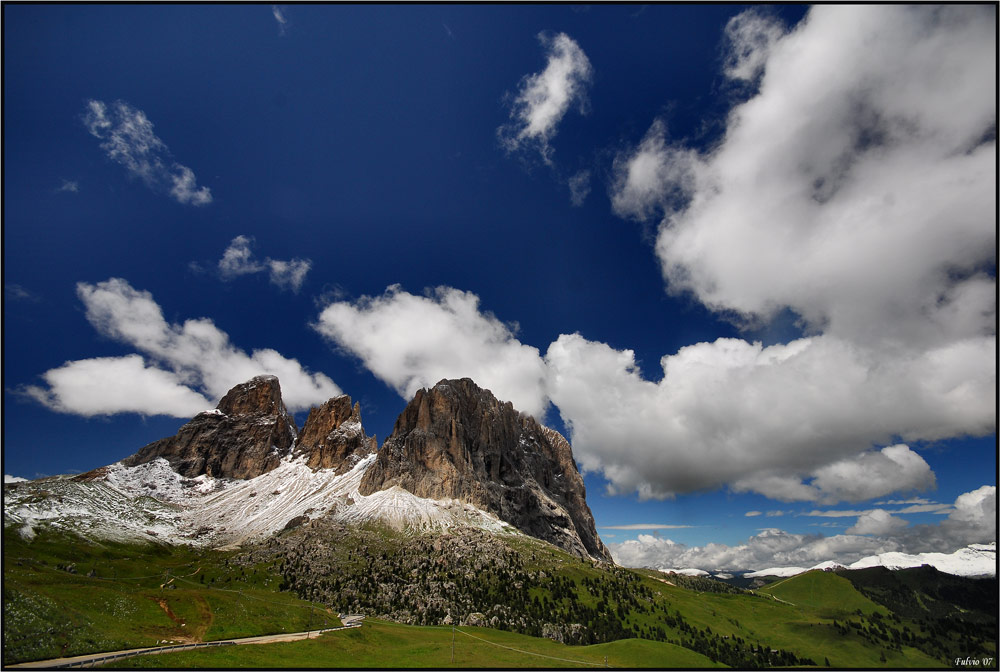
(92, 509)
(151, 501)
(401, 509)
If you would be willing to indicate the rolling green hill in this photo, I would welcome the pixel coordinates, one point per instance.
(943, 615)
(832, 595)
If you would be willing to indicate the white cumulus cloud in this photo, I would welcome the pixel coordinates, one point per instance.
(861, 477)
(109, 385)
(412, 342)
(875, 532)
(127, 137)
(544, 97)
(654, 177)
(795, 422)
(288, 274)
(190, 365)
(856, 187)
(238, 259)
(765, 418)
(769, 548)
(878, 521)
(750, 36)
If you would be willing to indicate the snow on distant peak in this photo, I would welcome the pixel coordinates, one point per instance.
(974, 560)
(777, 571)
(690, 571)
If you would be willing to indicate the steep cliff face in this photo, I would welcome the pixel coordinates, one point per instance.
(456, 440)
(333, 437)
(247, 434)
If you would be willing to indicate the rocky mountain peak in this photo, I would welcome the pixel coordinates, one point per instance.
(260, 395)
(333, 436)
(457, 441)
(246, 435)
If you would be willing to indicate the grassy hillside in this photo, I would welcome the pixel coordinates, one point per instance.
(64, 596)
(384, 644)
(832, 595)
(522, 585)
(805, 627)
(943, 615)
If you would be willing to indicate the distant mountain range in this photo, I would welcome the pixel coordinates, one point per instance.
(243, 471)
(975, 560)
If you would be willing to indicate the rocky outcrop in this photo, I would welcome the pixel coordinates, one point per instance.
(333, 437)
(456, 440)
(246, 435)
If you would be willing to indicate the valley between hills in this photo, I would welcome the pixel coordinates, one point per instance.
(465, 541)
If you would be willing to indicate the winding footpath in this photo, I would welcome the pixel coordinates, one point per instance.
(90, 659)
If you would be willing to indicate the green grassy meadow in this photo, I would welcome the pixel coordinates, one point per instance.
(63, 597)
(384, 644)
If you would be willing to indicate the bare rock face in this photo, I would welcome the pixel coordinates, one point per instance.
(333, 437)
(456, 440)
(247, 434)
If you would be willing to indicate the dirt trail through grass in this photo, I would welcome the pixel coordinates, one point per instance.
(181, 635)
(205, 613)
(192, 633)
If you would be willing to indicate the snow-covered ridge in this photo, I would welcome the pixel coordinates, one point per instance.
(973, 560)
(777, 571)
(152, 501)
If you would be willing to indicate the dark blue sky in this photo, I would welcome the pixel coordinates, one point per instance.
(367, 142)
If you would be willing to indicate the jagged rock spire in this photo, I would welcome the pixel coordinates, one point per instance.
(333, 437)
(247, 434)
(456, 440)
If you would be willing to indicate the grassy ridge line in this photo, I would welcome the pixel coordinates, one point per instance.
(384, 644)
(824, 591)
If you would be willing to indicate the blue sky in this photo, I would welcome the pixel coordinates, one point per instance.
(745, 258)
